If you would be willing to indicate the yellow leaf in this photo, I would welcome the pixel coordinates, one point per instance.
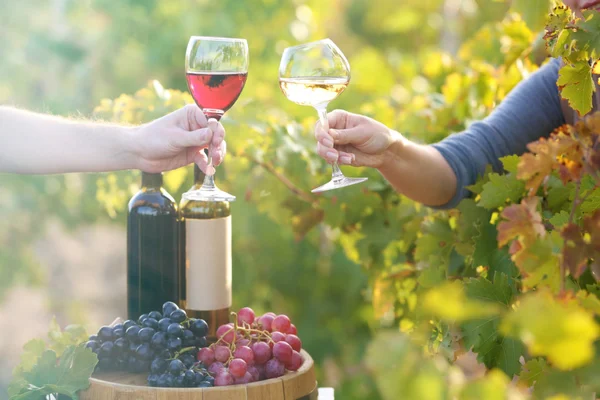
(449, 302)
(560, 330)
(493, 386)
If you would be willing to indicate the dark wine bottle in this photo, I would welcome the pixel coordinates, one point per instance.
(205, 243)
(152, 248)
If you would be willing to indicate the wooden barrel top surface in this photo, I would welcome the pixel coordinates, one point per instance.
(127, 386)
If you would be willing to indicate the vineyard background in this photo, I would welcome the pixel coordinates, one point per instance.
(345, 265)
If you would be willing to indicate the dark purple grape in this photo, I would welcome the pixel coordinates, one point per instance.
(162, 380)
(190, 377)
(170, 380)
(151, 323)
(188, 335)
(155, 314)
(175, 330)
(176, 367)
(178, 316)
(168, 308)
(209, 379)
(144, 352)
(94, 337)
(179, 381)
(133, 347)
(201, 342)
(163, 324)
(106, 350)
(198, 377)
(128, 324)
(105, 364)
(159, 340)
(121, 345)
(105, 334)
(199, 327)
(132, 333)
(188, 360)
(165, 353)
(141, 366)
(92, 345)
(145, 335)
(204, 384)
(153, 380)
(120, 365)
(142, 318)
(118, 333)
(158, 366)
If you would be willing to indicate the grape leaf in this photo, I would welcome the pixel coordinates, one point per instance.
(561, 152)
(482, 336)
(589, 301)
(435, 244)
(532, 371)
(569, 344)
(523, 222)
(539, 262)
(582, 245)
(67, 376)
(560, 219)
(577, 86)
(501, 189)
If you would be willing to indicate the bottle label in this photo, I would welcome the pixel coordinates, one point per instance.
(208, 263)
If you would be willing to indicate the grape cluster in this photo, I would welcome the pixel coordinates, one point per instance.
(161, 344)
(252, 349)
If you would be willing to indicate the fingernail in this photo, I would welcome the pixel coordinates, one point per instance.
(332, 155)
(327, 142)
(345, 160)
(334, 134)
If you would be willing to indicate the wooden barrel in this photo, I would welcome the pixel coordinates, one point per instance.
(126, 386)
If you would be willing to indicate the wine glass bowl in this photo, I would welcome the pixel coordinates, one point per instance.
(314, 74)
(216, 70)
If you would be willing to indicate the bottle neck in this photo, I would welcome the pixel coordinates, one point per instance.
(152, 181)
(198, 175)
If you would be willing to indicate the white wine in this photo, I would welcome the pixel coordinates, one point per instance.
(312, 91)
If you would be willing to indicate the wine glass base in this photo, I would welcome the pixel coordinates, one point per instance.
(209, 195)
(338, 184)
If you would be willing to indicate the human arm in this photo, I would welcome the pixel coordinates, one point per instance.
(40, 144)
(437, 175)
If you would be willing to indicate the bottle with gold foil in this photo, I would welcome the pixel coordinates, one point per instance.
(152, 248)
(205, 254)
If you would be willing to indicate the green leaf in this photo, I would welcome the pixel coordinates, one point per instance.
(577, 86)
(68, 376)
(560, 219)
(492, 386)
(591, 203)
(477, 188)
(532, 371)
(482, 335)
(511, 163)
(500, 190)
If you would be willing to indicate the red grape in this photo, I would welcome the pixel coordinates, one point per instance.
(206, 356)
(294, 341)
(278, 337)
(281, 323)
(266, 322)
(222, 353)
(216, 367)
(293, 329)
(245, 353)
(272, 314)
(274, 369)
(247, 378)
(226, 333)
(238, 367)
(224, 378)
(245, 315)
(296, 362)
(262, 375)
(262, 352)
(283, 352)
(253, 370)
(242, 342)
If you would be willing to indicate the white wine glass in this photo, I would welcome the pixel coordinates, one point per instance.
(313, 74)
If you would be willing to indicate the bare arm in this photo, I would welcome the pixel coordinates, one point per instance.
(39, 144)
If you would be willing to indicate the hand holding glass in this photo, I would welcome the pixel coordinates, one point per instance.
(313, 74)
(216, 70)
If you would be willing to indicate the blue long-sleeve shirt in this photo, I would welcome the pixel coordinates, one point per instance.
(530, 111)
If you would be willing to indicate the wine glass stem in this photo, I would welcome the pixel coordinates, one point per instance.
(336, 174)
(209, 178)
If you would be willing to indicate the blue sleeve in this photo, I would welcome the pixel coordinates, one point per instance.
(530, 111)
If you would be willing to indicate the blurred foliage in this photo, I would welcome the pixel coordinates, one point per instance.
(341, 264)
